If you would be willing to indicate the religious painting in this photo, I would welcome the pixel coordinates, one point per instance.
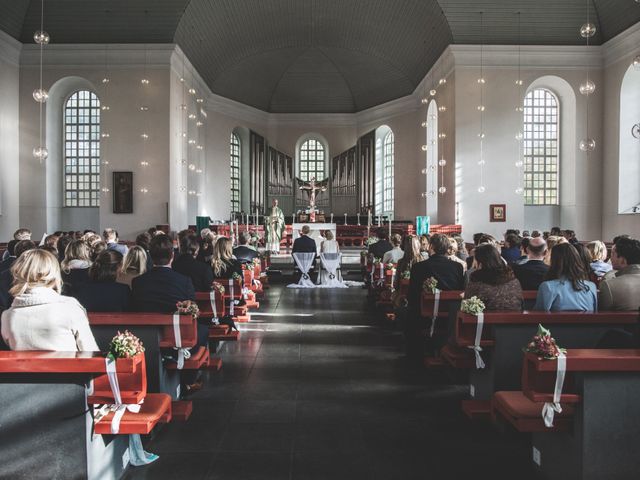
(122, 192)
(498, 212)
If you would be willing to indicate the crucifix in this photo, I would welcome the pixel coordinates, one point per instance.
(312, 187)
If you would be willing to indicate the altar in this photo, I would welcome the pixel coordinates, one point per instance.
(315, 232)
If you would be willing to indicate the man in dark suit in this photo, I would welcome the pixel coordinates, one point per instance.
(304, 243)
(110, 236)
(160, 288)
(450, 276)
(532, 273)
(382, 246)
(200, 273)
(6, 277)
(243, 252)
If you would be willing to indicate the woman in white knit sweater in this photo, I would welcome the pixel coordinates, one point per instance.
(40, 318)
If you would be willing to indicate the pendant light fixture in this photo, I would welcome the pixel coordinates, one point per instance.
(40, 95)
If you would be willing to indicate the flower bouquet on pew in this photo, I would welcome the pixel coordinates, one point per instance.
(218, 287)
(406, 275)
(430, 285)
(187, 306)
(544, 345)
(389, 266)
(472, 306)
(125, 345)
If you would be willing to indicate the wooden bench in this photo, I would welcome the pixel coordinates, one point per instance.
(445, 323)
(46, 424)
(206, 305)
(596, 435)
(233, 293)
(504, 334)
(156, 331)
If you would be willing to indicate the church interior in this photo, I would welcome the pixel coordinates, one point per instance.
(319, 239)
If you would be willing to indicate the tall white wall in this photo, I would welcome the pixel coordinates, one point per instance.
(9, 134)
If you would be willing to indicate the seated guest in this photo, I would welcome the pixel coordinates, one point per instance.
(598, 255)
(382, 246)
(75, 266)
(552, 241)
(449, 275)
(10, 257)
(566, 287)
(523, 251)
(102, 293)
(453, 253)
(200, 273)
(536, 234)
(532, 273)
(133, 265)
(18, 235)
(304, 243)
(97, 248)
(396, 253)
(159, 289)
(51, 243)
(6, 277)
(207, 243)
(570, 235)
(424, 245)
(329, 244)
(511, 250)
(585, 257)
(62, 244)
(223, 264)
(40, 318)
(621, 290)
(461, 253)
(493, 282)
(142, 241)
(110, 237)
(243, 252)
(411, 249)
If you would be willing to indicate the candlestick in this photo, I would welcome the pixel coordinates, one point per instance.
(345, 218)
(389, 218)
(358, 214)
(331, 218)
(379, 219)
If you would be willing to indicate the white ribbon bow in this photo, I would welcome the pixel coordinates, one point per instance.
(232, 293)
(214, 309)
(183, 353)
(549, 409)
(476, 346)
(118, 408)
(436, 309)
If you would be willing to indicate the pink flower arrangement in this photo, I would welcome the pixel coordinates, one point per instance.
(187, 306)
(125, 345)
(544, 345)
(218, 287)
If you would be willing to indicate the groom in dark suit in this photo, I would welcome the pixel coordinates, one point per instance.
(305, 244)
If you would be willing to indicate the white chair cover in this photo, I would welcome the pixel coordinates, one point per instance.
(304, 261)
(329, 276)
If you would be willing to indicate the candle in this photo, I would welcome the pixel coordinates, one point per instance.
(345, 218)
(379, 217)
(369, 218)
(331, 218)
(389, 218)
(358, 214)
(255, 219)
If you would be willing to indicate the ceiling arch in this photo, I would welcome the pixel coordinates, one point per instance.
(316, 55)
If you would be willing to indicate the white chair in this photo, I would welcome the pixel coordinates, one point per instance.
(304, 262)
(329, 276)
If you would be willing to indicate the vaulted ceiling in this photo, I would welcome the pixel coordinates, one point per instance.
(316, 55)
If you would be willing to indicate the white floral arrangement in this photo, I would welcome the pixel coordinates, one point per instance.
(125, 345)
(472, 306)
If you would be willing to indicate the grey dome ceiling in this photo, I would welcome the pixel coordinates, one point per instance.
(315, 55)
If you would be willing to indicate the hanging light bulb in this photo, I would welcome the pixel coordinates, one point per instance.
(481, 189)
(442, 162)
(105, 189)
(519, 191)
(40, 95)
(481, 135)
(424, 171)
(198, 170)
(105, 108)
(424, 148)
(424, 124)
(481, 81)
(482, 161)
(183, 161)
(105, 80)
(41, 153)
(636, 63)
(519, 136)
(519, 164)
(199, 147)
(192, 167)
(192, 116)
(144, 163)
(442, 81)
(587, 145)
(183, 188)
(587, 30)
(519, 108)
(199, 123)
(144, 136)
(442, 190)
(184, 134)
(442, 135)
(432, 92)
(191, 141)
(183, 106)
(481, 108)
(442, 108)
(587, 88)
(105, 135)
(181, 79)
(41, 37)
(144, 190)
(434, 141)
(200, 100)
(144, 108)
(144, 81)
(192, 91)
(519, 82)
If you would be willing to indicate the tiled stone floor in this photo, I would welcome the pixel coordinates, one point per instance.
(316, 389)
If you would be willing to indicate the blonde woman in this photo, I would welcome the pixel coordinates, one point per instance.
(75, 266)
(329, 244)
(134, 265)
(222, 261)
(40, 318)
(552, 241)
(598, 253)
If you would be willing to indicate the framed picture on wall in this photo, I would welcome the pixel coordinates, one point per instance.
(122, 192)
(498, 212)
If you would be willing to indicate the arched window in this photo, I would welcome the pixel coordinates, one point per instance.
(388, 175)
(312, 160)
(541, 160)
(629, 143)
(235, 172)
(82, 150)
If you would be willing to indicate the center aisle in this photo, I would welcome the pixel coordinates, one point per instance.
(315, 389)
